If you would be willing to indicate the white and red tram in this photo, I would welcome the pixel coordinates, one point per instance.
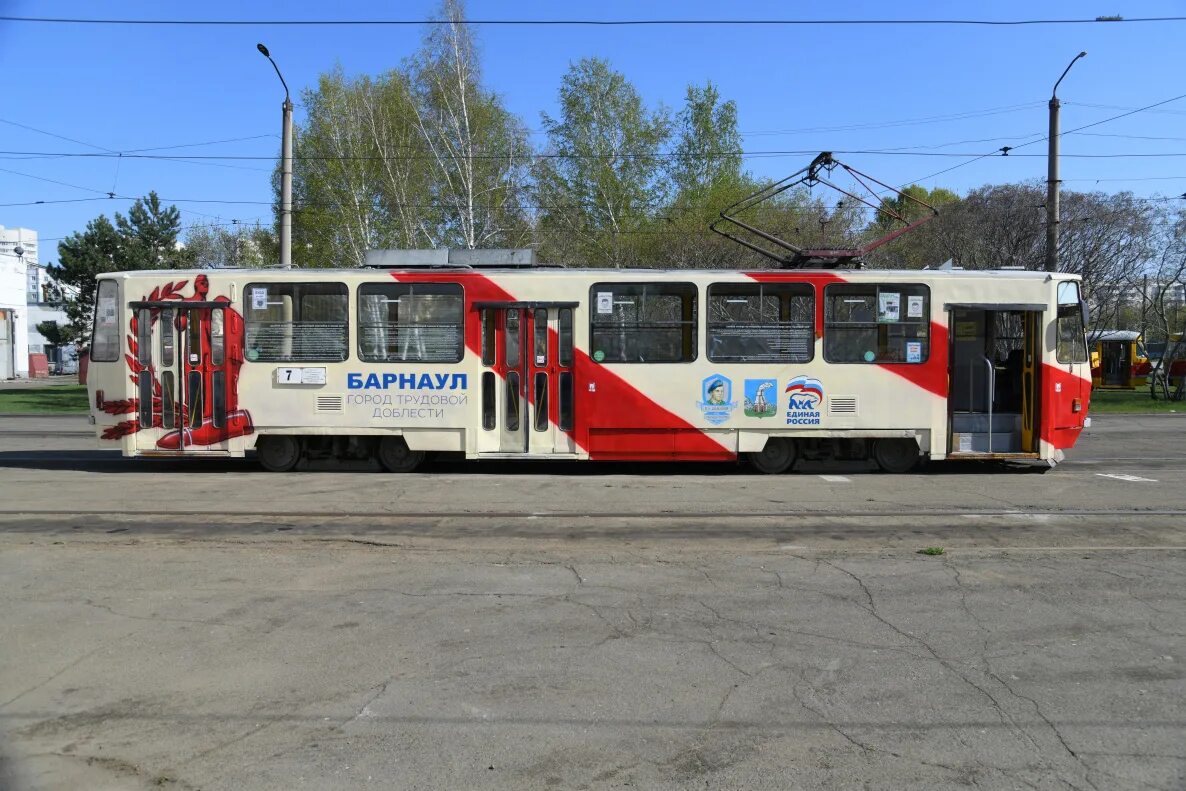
(770, 366)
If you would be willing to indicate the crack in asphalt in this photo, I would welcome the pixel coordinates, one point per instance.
(871, 608)
(158, 618)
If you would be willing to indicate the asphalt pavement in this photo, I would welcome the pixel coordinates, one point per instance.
(209, 625)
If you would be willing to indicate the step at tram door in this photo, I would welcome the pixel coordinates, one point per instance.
(995, 367)
(184, 377)
(527, 383)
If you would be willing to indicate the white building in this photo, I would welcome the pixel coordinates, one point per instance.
(42, 304)
(18, 248)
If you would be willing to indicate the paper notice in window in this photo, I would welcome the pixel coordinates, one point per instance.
(889, 306)
(914, 307)
(913, 351)
(605, 302)
(259, 299)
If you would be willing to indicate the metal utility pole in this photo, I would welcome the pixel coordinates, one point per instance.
(285, 170)
(1052, 176)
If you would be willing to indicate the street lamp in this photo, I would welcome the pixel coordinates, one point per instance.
(285, 170)
(1052, 176)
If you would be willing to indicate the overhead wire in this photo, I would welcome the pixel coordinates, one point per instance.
(1007, 150)
(544, 155)
(907, 122)
(1107, 20)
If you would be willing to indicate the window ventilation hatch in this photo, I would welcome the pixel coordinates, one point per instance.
(329, 403)
(842, 405)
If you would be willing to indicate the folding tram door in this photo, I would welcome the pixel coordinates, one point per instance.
(994, 403)
(183, 376)
(528, 382)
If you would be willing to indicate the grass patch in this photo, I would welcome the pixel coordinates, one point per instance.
(1133, 402)
(931, 551)
(57, 400)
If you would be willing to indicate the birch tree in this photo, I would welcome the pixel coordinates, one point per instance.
(339, 212)
(477, 151)
(601, 177)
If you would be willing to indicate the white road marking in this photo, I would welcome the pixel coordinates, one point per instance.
(1122, 477)
(836, 479)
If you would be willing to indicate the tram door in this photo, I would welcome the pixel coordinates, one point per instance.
(995, 367)
(183, 376)
(527, 382)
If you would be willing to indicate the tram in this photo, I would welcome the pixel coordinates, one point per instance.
(420, 354)
(1118, 359)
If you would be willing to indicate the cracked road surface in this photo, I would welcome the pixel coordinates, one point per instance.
(626, 634)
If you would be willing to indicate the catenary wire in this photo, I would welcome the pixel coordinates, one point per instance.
(1108, 20)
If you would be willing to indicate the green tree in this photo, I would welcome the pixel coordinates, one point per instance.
(149, 234)
(478, 151)
(601, 178)
(705, 176)
(219, 246)
(920, 247)
(339, 211)
(145, 239)
(421, 156)
(57, 334)
(707, 155)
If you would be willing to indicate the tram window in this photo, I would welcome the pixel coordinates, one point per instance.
(194, 398)
(566, 399)
(144, 336)
(513, 338)
(218, 398)
(761, 322)
(541, 401)
(299, 322)
(105, 337)
(145, 394)
(1072, 346)
(512, 401)
(411, 322)
(876, 323)
(217, 336)
(488, 397)
(489, 333)
(540, 322)
(168, 400)
(565, 354)
(168, 332)
(643, 322)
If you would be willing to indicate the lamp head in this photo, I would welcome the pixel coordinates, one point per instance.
(263, 50)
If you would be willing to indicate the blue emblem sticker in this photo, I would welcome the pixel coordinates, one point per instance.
(804, 396)
(716, 399)
(761, 397)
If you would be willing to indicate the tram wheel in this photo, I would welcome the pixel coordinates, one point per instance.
(896, 455)
(778, 456)
(278, 453)
(395, 455)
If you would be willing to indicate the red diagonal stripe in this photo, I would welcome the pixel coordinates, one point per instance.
(615, 404)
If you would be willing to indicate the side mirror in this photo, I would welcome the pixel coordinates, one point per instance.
(1086, 313)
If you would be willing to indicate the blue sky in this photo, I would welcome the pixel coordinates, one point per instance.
(797, 88)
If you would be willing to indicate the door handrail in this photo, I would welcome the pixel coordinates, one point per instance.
(992, 389)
